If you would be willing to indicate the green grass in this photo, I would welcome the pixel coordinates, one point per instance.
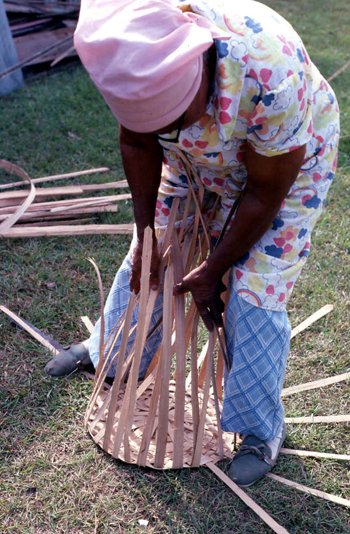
(78, 488)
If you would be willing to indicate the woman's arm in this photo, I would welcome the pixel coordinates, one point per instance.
(268, 182)
(142, 158)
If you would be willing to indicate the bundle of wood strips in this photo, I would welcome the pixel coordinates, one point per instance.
(171, 419)
(36, 212)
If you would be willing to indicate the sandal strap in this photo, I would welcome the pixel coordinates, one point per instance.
(257, 450)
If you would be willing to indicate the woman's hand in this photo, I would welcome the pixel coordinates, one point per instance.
(206, 289)
(136, 267)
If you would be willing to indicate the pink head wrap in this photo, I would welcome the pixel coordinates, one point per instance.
(145, 57)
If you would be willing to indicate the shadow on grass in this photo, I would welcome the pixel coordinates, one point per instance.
(57, 480)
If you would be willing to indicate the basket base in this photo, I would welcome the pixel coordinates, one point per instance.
(96, 424)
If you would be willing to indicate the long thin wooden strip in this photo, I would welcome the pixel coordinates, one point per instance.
(98, 384)
(193, 253)
(126, 415)
(44, 192)
(190, 316)
(202, 370)
(319, 419)
(316, 454)
(191, 171)
(199, 442)
(46, 215)
(67, 222)
(313, 318)
(31, 331)
(247, 500)
(217, 411)
(310, 491)
(170, 226)
(53, 205)
(185, 217)
(92, 201)
(199, 211)
(165, 363)
(185, 249)
(180, 330)
(139, 347)
(98, 414)
(86, 321)
(194, 377)
(150, 425)
(146, 383)
(66, 53)
(63, 177)
(94, 204)
(30, 196)
(11, 204)
(59, 231)
(165, 247)
(102, 318)
(223, 345)
(220, 367)
(201, 360)
(339, 71)
(27, 60)
(315, 384)
(118, 373)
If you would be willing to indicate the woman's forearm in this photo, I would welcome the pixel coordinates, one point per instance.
(142, 161)
(252, 220)
(268, 183)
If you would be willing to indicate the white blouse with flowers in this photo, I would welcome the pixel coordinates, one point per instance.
(268, 93)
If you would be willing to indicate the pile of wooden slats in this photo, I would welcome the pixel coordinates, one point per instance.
(57, 211)
(42, 31)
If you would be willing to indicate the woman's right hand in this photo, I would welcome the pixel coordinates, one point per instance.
(136, 267)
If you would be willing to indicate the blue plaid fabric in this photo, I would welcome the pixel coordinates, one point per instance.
(258, 346)
(116, 304)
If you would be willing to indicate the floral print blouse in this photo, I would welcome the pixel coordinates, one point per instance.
(268, 93)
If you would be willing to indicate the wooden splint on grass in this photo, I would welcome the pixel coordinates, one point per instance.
(170, 418)
(24, 214)
(53, 346)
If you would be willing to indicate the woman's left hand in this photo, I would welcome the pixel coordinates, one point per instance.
(206, 289)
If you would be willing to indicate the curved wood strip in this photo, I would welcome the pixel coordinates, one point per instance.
(14, 169)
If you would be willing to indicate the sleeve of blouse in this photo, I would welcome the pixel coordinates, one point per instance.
(282, 120)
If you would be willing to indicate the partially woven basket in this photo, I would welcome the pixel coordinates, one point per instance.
(170, 419)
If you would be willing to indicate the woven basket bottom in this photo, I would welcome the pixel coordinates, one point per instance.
(96, 424)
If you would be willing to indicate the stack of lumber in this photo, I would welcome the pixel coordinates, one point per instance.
(42, 31)
(57, 210)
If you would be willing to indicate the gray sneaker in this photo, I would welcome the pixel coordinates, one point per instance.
(67, 361)
(254, 459)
